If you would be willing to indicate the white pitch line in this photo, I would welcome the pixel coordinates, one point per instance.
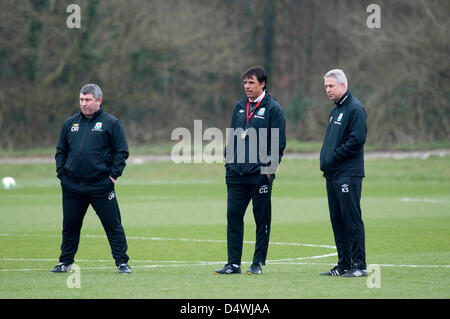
(219, 262)
(301, 258)
(110, 267)
(423, 200)
(214, 241)
(299, 244)
(175, 263)
(381, 265)
(172, 263)
(29, 259)
(174, 239)
(109, 260)
(12, 270)
(180, 263)
(300, 263)
(414, 266)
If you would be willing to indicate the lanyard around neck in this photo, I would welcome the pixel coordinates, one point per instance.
(248, 109)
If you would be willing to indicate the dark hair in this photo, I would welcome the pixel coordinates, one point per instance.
(259, 72)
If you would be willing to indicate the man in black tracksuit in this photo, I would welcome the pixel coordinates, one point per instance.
(254, 149)
(342, 163)
(90, 156)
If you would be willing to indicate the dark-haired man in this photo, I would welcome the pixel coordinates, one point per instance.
(254, 149)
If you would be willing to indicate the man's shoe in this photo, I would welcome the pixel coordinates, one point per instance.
(61, 267)
(255, 269)
(334, 272)
(356, 272)
(228, 269)
(124, 269)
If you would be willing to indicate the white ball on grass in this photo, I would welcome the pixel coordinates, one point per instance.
(8, 183)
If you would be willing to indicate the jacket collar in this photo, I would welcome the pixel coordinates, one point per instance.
(96, 114)
(259, 98)
(264, 99)
(344, 98)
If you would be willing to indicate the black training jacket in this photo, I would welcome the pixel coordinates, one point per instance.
(342, 151)
(269, 115)
(91, 149)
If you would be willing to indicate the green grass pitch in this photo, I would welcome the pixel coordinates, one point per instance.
(175, 221)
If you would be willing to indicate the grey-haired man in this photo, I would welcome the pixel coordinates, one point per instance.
(342, 163)
(90, 156)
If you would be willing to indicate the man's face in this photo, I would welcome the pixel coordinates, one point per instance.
(253, 88)
(89, 105)
(334, 89)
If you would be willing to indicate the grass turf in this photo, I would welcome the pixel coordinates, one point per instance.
(175, 220)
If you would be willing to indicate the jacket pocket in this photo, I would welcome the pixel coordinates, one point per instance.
(326, 159)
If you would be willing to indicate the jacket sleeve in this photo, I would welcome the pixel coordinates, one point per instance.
(356, 136)
(62, 149)
(232, 127)
(119, 149)
(279, 121)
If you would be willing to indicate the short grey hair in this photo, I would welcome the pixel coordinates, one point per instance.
(337, 74)
(93, 89)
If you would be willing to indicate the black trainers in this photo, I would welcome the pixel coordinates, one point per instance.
(255, 269)
(124, 269)
(334, 272)
(228, 269)
(355, 272)
(61, 267)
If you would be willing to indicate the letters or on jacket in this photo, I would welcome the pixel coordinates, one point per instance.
(342, 151)
(91, 149)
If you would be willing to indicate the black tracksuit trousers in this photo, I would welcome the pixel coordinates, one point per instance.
(344, 196)
(242, 189)
(76, 198)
